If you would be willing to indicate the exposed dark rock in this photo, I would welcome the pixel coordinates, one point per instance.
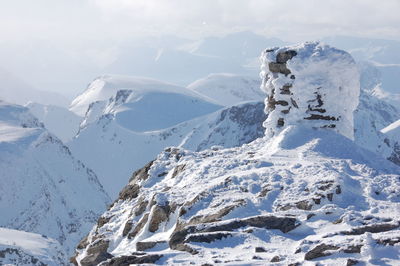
(20, 257)
(353, 249)
(128, 260)
(278, 68)
(141, 206)
(329, 196)
(129, 192)
(142, 173)
(142, 222)
(260, 249)
(304, 205)
(283, 103)
(351, 262)
(178, 169)
(159, 214)
(96, 253)
(294, 103)
(373, 228)
(283, 57)
(320, 117)
(208, 237)
(319, 251)
(215, 216)
(264, 191)
(280, 122)
(142, 246)
(276, 259)
(83, 243)
(310, 215)
(127, 228)
(388, 241)
(285, 224)
(286, 89)
(102, 221)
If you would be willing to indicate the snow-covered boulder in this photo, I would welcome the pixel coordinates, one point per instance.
(311, 84)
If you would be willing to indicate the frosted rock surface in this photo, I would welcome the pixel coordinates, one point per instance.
(310, 84)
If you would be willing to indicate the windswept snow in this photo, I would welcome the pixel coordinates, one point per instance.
(23, 248)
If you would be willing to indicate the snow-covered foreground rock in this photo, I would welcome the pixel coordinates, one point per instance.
(22, 248)
(306, 192)
(44, 189)
(303, 195)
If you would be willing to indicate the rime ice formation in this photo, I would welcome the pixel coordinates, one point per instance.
(310, 84)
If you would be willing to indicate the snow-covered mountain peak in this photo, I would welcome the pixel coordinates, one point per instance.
(105, 87)
(304, 84)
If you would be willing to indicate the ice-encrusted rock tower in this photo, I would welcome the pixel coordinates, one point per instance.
(310, 84)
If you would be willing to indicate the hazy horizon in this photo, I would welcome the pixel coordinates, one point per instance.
(61, 46)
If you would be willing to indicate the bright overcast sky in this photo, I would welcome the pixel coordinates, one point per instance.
(61, 44)
(291, 20)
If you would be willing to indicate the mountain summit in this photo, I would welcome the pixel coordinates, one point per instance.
(310, 84)
(305, 192)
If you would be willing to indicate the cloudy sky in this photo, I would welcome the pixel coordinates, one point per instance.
(88, 31)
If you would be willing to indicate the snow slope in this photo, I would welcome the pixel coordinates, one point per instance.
(145, 91)
(44, 189)
(23, 248)
(58, 120)
(104, 139)
(229, 89)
